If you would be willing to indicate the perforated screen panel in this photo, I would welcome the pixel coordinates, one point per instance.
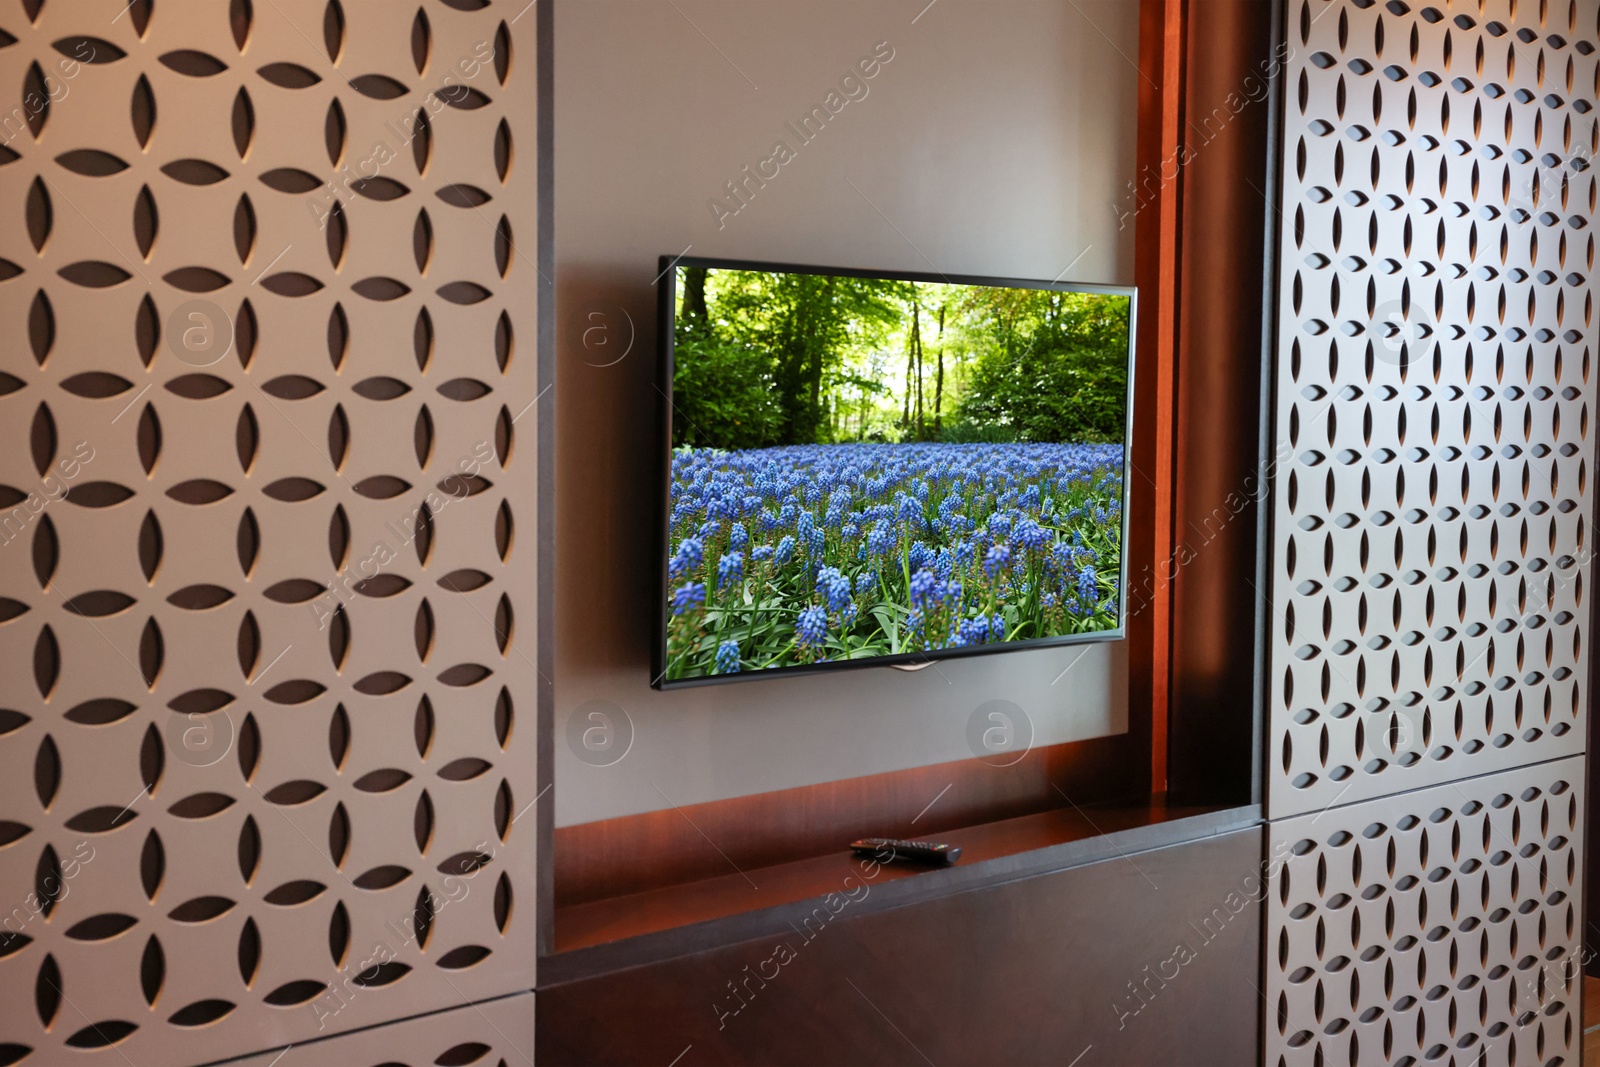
(1432, 501)
(496, 1034)
(267, 736)
(1441, 925)
(1435, 391)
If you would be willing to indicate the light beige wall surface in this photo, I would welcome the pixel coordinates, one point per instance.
(997, 140)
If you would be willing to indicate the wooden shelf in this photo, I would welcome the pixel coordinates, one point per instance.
(603, 935)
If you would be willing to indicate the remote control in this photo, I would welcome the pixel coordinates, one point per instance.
(918, 851)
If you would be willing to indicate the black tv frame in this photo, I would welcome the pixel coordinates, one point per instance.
(666, 314)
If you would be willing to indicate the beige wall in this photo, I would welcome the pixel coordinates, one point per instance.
(996, 141)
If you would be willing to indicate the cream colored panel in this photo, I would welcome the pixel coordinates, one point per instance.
(1435, 394)
(265, 662)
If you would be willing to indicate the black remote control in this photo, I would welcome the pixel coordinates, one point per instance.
(887, 849)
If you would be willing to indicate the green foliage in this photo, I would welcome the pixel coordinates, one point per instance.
(959, 429)
(1058, 371)
(808, 322)
(722, 394)
(765, 359)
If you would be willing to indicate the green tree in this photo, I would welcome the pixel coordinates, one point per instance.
(1056, 368)
(721, 388)
(767, 359)
(809, 323)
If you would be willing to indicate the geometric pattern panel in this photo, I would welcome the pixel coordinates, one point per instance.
(1440, 926)
(1435, 394)
(495, 1034)
(266, 738)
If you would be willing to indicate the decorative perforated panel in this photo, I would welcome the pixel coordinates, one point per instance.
(1439, 926)
(496, 1034)
(267, 722)
(1435, 394)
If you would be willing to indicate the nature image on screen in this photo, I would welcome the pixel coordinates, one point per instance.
(868, 467)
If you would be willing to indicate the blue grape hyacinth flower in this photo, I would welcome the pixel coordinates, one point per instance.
(727, 658)
(880, 541)
(1031, 536)
(687, 559)
(816, 541)
(730, 569)
(1089, 588)
(916, 624)
(687, 597)
(965, 553)
(811, 628)
(833, 587)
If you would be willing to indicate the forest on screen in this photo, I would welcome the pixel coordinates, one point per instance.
(866, 467)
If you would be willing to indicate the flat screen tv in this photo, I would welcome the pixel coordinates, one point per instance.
(868, 468)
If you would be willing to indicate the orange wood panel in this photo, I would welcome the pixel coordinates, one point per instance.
(733, 892)
(1156, 200)
(636, 853)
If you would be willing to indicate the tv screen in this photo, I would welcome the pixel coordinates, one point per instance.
(886, 468)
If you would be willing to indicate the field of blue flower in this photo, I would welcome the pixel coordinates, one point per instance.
(815, 553)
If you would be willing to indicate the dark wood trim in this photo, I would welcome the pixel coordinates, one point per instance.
(1074, 966)
(612, 935)
(1156, 237)
(545, 471)
(671, 846)
(1223, 354)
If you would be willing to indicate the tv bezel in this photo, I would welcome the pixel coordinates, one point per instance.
(666, 316)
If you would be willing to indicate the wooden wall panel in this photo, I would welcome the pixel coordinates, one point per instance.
(1228, 209)
(1146, 958)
